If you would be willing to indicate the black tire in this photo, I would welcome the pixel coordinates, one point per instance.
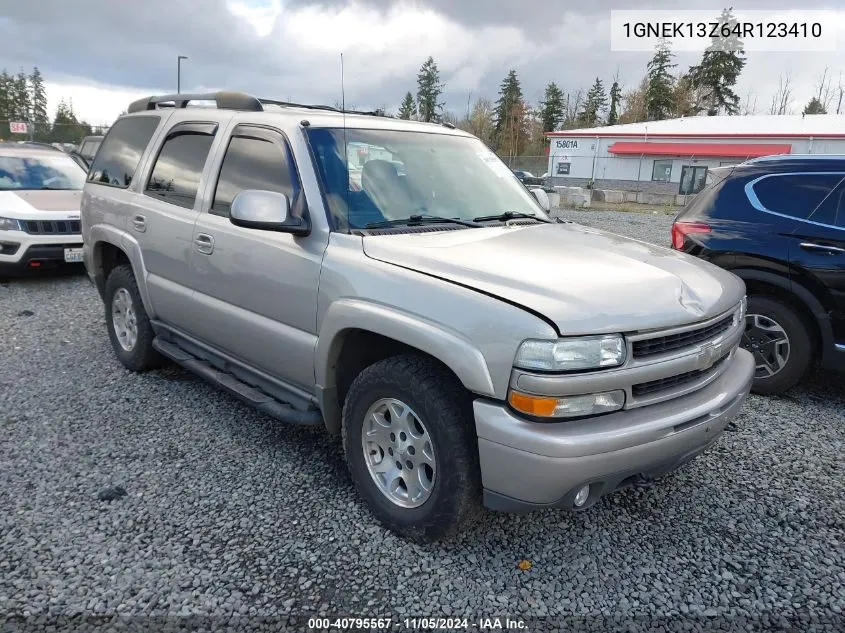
(142, 356)
(800, 344)
(445, 409)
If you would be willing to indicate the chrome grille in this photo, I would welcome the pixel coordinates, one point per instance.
(679, 380)
(671, 342)
(51, 227)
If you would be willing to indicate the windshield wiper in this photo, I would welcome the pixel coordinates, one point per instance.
(510, 215)
(412, 220)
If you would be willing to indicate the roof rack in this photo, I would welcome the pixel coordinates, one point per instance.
(227, 100)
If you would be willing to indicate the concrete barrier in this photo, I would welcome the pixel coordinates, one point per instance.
(608, 195)
(659, 199)
(574, 197)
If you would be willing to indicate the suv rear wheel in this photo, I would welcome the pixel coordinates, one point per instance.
(411, 447)
(126, 320)
(779, 339)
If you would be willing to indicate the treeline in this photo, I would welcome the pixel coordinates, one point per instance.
(512, 126)
(24, 99)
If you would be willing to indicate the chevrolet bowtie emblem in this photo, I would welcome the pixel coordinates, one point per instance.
(708, 355)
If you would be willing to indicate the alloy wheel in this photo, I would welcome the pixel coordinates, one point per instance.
(124, 319)
(768, 341)
(399, 453)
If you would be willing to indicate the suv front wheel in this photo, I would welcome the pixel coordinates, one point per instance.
(779, 339)
(410, 444)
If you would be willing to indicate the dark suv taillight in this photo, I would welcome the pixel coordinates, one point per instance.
(680, 230)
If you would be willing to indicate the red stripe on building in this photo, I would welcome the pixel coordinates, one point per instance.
(728, 150)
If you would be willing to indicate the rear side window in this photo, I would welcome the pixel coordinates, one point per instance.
(795, 195)
(257, 159)
(175, 177)
(121, 151)
(832, 210)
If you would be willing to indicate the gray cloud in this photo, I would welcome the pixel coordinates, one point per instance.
(135, 44)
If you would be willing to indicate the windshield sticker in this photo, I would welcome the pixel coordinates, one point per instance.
(496, 165)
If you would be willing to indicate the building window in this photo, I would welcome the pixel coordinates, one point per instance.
(562, 169)
(662, 171)
(693, 179)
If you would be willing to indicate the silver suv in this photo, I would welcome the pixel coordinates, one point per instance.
(468, 348)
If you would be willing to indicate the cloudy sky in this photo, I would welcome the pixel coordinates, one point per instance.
(104, 53)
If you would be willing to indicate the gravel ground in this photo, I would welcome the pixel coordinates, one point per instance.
(229, 516)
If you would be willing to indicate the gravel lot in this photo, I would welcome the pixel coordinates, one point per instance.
(231, 515)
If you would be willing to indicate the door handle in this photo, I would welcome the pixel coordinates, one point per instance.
(204, 243)
(140, 223)
(822, 248)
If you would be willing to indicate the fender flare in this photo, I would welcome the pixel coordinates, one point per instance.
(450, 347)
(803, 295)
(104, 234)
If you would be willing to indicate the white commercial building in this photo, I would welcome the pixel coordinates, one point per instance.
(673, 156)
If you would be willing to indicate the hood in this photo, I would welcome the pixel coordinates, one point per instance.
(582, 279)
(40, 200)
(40, 205)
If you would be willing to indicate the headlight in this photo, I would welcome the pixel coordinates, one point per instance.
(8, 224)
(586, 352)
(567, 406)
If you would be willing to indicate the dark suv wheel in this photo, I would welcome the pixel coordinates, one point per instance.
(781, 343)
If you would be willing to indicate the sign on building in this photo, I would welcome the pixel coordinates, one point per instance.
(18, 127)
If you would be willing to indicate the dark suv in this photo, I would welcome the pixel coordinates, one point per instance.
(779, 223)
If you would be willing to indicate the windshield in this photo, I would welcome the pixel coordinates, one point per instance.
(390, 175)
(40, 172)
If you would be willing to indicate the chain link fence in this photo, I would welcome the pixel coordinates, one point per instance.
(63, 135)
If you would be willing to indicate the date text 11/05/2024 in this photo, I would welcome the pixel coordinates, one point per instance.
(417, 624)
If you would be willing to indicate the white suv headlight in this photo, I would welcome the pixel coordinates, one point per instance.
(571, 354)
(8, 224)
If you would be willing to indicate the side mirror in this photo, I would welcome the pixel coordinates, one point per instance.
(542, 198)
(267, 211)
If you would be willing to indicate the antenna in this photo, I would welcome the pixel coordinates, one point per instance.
(345, 148)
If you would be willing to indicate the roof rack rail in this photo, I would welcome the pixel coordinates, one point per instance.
(224, 100)
(228, 100)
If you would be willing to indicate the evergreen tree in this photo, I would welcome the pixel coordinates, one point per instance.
(37, 97)
(508, 114)
(815, 107)
(552, 109)
(5, 97)
(594, 105)
(659, 96)
(66, 127)
(408, 109)
(720, 68)
(429, 90)
(20, 103)
(615, 103)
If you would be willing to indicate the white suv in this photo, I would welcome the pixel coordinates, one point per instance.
(40, 194)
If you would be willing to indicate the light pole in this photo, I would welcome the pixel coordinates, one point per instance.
(179, 73)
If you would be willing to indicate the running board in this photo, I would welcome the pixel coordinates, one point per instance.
(252, 396)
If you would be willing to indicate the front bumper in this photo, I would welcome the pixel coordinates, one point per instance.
(528, 465)
(32, 255)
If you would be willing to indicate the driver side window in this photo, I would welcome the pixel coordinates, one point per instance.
(255, 159)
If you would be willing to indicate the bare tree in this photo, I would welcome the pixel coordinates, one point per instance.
(841, 90)
(572, 106)
(825, 90)
(783, 97)
(749, 105)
